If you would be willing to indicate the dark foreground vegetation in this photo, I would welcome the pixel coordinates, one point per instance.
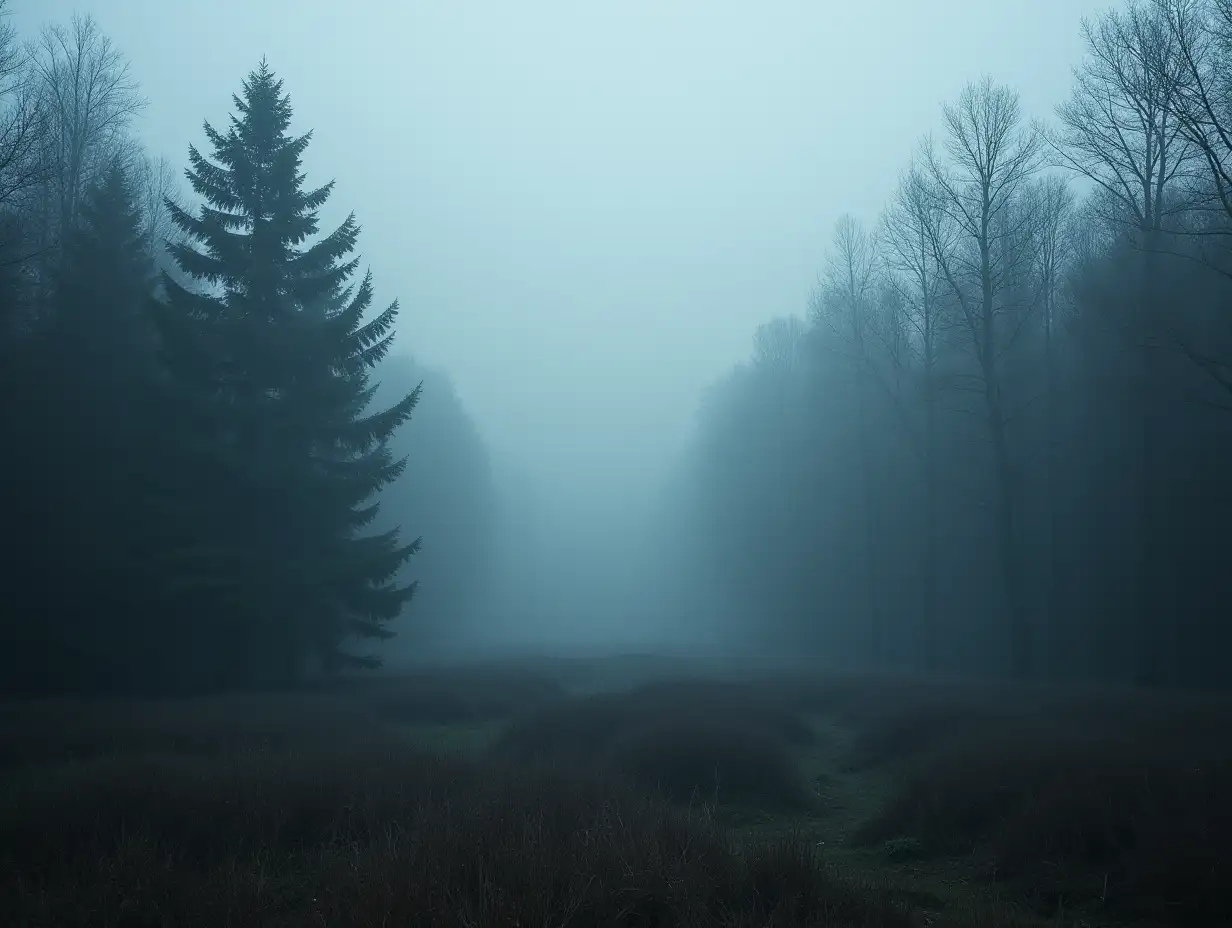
(698, 800)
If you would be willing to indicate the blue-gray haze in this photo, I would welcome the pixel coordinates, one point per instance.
(586, 208)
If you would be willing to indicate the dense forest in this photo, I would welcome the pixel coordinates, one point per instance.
(313, 611)
(997, 438)
(206, 469)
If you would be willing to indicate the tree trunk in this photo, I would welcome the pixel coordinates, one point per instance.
(931, 657)
(1154, 619)
(1056, 630)
(1021, 661)
(1006, 522)
(871, 601)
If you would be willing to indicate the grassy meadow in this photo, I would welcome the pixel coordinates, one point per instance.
(619, 792)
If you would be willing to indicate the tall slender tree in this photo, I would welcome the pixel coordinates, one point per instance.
(1053, 202)
(846, 302)
(991, 159)
(911, 226)
(1119, 130)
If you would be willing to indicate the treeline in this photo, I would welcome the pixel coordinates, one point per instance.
(203, 475)
(448, 494)
(1001, 438)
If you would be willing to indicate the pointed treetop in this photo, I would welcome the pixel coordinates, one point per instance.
(264, 113)
(110, 208)
(253, 185)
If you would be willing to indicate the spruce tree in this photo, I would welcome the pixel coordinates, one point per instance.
(85, 455)
(101, 318)
(271, 356)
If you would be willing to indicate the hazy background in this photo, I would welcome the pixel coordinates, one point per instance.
(586, 209)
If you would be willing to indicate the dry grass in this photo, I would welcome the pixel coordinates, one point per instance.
(386, 837)
(1111, 801)
(312, 808)
(465, 694)
(689, 740)
(347, 711)
(709, 760)
(43, 731)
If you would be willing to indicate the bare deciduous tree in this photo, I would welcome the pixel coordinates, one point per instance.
(779, 343)
(1120, 130)
(88, 97)
(1198, 35)
(20, 168)
(157, 183)
(848, 285)
(987, 161)
(846, 302)
(913, 231)
(1052, 253)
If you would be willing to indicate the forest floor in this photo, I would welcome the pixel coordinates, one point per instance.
(623, 792)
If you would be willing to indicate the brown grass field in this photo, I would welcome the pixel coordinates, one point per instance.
(526, 794)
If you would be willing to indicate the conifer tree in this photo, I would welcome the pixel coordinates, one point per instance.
(101, 317)
(84, 447)
(270, 356)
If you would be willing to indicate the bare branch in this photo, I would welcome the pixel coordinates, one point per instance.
(88, 95)
(1119, 128)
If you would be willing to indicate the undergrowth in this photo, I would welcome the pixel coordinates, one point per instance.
(679, 802)
(387, 837)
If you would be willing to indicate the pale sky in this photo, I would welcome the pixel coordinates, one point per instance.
(586, 208)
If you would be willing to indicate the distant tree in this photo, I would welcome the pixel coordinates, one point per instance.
(447, 493)
(779, 343)
(156, 184)
(911, 227)
(846, 302)
(271, 361)
(110, 268)
(87, 97)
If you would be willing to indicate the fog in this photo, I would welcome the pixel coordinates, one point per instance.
(586, 209)
(651, 462)
(589, 211)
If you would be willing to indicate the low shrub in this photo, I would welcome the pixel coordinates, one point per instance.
(1114, 802)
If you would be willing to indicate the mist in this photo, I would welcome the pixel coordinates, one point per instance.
(585, 210)
(644, 463)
